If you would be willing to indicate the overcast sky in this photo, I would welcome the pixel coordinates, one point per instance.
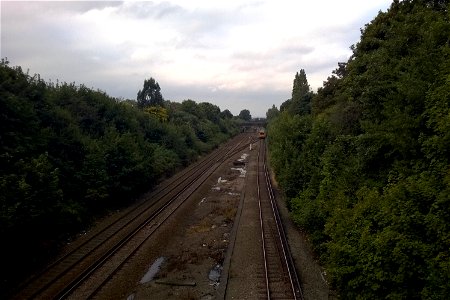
(237, 54)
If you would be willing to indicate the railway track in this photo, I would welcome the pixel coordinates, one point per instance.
(93, 260)
(280, 280)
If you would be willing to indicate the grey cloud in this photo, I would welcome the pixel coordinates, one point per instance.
(197, 28)
(246, 55)
(36, 36)
(55, 7)
(149, 9)
(194, 21)
(251, 5)
(295, 49)
(280, 58)
(85, 6)
(207, 26)
(250, 61)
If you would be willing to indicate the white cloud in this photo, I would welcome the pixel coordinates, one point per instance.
(233, 53)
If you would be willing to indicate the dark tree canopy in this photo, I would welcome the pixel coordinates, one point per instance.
(150, 95)
(272, 112)
(69, 154)
(367, 172)
(300, 86)
(300, 102)
(226, 114)
(245, 115)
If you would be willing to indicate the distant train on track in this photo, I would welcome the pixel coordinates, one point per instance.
(262, 134)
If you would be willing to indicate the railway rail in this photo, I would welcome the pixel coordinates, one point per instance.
(101, 253)
(280, 277)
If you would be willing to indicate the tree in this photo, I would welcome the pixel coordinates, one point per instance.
(368, 176)
(158, 112)
(190, 106)
(301, 94)
(226, 114)
(210, 111)
(300, 102)
(300, 87)
(150, 95)
(245, 115)
(69, 154)
(272, 112)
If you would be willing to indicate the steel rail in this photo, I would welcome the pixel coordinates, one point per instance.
(263, 243)
(293, 276)
(76, 283)
(98, 263)
(216, 155)
(278, 235)
(161, 192)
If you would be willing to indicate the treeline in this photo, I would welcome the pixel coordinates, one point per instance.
(364, 162)
(69, 153)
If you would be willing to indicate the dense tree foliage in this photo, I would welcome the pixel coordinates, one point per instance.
(300, 102)
(367, 172)
(69, 153)
(272, 113)
(245, 115)
(150, 95)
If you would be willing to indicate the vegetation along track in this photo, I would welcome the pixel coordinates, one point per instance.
(91, 252)
(280, 277)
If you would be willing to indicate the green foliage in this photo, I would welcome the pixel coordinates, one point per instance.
(150, 95)
(226, 114)
(157, 112)
(272, 113)
(69, 154)
(287, 135)
(368, 176)
(300, 87)
(300, 103)
(245, 115)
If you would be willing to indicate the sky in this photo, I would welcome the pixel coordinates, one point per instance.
(236, 54)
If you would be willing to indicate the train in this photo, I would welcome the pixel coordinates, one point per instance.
(262, 134)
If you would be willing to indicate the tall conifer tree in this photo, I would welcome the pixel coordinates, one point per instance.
(150, 95)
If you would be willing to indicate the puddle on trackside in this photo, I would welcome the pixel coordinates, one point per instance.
(153, 270)
(214, 274)
(241, 170)
(242, 160)
(243, 157)
(220, 180)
